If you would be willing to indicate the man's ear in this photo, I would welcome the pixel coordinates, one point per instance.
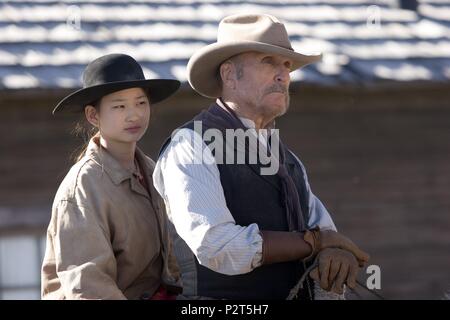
(227, 74)
(91, 115)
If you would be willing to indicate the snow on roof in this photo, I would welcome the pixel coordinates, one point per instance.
(46, 43)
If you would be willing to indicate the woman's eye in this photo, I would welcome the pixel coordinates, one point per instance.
(143, 103)
(119, 106)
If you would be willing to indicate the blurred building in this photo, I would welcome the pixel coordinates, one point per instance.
(371, 122)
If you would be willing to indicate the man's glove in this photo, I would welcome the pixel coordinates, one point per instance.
(319, 240)
(336, 267)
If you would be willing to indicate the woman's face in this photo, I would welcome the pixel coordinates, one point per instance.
(122, 116)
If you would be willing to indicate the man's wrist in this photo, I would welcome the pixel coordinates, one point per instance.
(312, 237)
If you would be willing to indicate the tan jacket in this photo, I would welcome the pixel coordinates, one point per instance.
(107, 238)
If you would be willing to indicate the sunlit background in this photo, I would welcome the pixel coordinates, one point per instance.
(371, 122)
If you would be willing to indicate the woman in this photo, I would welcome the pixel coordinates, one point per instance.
(108, 238)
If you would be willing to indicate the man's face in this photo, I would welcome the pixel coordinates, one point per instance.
(263, 83)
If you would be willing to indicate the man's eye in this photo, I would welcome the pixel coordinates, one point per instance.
(143, 102)
(119, 106)
(268, 60)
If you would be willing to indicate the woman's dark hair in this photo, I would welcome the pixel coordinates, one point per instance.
(84, 130)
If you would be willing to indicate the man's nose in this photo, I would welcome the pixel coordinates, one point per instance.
(284, 75)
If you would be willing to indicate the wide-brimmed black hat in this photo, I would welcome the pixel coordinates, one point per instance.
(111, 73)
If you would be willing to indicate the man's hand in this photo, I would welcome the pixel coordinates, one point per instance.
(336, 268)
(322, 239)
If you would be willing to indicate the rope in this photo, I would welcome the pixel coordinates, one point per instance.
(376, 294)
(294, 291)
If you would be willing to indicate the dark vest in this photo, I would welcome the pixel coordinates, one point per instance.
(252, 198)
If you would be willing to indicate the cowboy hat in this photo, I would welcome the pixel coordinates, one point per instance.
(111, 73)
(237, 34)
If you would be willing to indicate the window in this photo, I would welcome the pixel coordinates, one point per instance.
(20, 264)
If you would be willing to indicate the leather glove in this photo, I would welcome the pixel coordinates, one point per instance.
(336, 268)
(282, 246)
(319, 240)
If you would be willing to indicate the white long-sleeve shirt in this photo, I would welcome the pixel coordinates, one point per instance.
(189, 182)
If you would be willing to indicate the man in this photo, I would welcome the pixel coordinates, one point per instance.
(233, 225)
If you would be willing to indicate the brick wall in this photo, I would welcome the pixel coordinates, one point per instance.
(378, 159)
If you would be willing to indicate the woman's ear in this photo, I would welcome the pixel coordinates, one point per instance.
(91, 115)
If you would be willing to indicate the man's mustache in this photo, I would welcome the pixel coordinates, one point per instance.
(277, 88)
